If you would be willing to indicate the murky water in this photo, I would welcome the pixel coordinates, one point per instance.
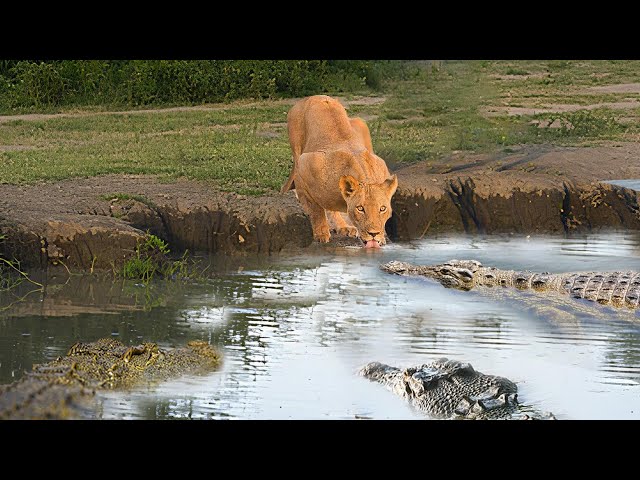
(293, 331)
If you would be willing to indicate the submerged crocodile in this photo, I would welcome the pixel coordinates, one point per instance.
(449, 389)
(65, 387)
(616, 289)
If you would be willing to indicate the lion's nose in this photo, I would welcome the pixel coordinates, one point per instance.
(374, 234)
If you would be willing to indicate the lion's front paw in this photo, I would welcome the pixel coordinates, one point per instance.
(322, 237)
(348, 231)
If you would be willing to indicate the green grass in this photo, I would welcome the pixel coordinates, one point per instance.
(584, 124)
(243, 147)
(516, 71)
(151, 260)
(225, 146)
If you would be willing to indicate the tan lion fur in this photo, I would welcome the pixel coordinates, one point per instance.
(335, 171)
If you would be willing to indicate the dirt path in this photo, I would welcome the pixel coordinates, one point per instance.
(30, 117)
(616, 88)
(494, 111)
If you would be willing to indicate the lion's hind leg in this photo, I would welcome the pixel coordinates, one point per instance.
(360, 127)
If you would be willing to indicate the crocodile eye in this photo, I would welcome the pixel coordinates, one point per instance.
(360, 208)
(383, 208)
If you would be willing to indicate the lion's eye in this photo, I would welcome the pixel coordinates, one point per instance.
(383, 208)
(360, 208)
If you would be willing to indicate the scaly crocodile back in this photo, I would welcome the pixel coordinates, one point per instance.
(617, 289)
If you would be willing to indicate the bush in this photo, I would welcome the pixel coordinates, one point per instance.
(581, 123)
(35, 85)
(152, 258)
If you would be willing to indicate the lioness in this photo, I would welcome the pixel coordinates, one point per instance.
(335, 170)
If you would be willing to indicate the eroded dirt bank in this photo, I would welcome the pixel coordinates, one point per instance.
(84, 223)
(80, 220)
(537, 189)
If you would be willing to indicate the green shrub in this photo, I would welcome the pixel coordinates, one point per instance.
(516, 71)
(33, 85)
(37, 84)
(151, 259)
(582, 123)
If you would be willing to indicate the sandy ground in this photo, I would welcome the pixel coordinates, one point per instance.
(494, 111)
(619, 88)
(30, 117)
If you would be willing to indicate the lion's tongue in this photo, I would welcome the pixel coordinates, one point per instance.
(372, 244)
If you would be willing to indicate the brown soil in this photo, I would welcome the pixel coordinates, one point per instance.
(535, 189)
(72, 221)
(528, 76)
(13, 148)
(29, 117)
(619, 88)
(539, 188)
(556, 108)
(362, 100)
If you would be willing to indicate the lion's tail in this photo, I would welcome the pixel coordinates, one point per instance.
(289, 184)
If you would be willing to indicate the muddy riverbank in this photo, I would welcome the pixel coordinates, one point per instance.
(95, 222)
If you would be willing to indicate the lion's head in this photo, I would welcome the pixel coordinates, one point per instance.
(369, 206)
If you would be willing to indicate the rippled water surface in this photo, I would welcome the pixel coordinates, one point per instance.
(294, 329)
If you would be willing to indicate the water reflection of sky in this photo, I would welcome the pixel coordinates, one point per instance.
(293, 332)
(629, 183)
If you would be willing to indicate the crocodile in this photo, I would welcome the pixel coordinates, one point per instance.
(65, 388)
(615, 289)
(450, 389)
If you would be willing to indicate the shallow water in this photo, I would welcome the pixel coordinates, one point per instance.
(633, 184)
(294, 329)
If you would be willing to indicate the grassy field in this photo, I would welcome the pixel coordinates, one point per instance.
(479, 106)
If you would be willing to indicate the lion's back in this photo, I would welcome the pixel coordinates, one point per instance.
(319, 123)
(327, 145)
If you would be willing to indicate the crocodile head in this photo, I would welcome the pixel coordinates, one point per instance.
(456, 273)
(452, 389)
(376, 371)
(451, 274)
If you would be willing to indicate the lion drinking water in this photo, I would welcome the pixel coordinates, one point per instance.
(335, 170)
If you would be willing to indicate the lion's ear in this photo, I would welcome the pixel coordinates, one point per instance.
(349, 186)
(391, 184)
